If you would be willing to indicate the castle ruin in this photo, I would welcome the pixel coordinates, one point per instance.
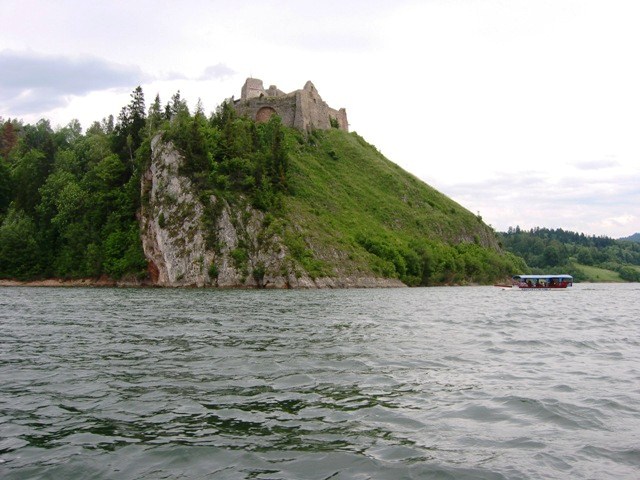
(302, 109)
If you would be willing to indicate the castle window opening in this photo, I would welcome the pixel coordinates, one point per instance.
(264, 114)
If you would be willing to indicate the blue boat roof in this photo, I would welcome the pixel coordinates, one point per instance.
(534, 277)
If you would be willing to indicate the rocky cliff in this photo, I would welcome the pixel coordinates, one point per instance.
(194, 241)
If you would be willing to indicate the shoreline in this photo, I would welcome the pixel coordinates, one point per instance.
(77, 282)
(319, 284)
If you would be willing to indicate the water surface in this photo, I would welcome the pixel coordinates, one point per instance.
(470, 382)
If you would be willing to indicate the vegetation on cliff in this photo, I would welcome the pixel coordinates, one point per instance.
(69, 201)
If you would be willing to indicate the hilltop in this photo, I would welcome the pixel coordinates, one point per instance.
(174, 198)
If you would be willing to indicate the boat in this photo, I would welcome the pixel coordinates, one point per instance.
(539, 282)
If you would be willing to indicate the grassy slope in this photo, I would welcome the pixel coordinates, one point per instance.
(343, 187)
(595, 274)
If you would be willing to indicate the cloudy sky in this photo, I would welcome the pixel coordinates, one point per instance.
(526, 111)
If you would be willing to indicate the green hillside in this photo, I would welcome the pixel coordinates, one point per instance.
(70, 202)
(347, 197)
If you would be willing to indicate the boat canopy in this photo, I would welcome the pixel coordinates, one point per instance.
(540, 277)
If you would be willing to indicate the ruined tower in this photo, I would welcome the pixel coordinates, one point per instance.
(302, 109)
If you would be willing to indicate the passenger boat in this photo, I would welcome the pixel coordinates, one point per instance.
(539, 282)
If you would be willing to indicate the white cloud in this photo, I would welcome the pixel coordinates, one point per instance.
(218, 71)
(597, 164)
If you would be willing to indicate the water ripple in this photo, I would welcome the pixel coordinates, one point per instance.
(416, 383)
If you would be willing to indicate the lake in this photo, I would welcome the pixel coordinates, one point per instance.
(442, 383)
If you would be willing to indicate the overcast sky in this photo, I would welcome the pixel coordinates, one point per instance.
(527, 112)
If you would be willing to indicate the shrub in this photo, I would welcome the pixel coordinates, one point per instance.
(213, 271)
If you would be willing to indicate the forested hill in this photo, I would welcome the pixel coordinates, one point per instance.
(586, 257)
(632, 238)
(170, 196)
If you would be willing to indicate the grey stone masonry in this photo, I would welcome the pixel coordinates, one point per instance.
(302, 109)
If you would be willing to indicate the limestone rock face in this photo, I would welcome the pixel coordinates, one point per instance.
(189, 245)
(171, 218)
(191, 241)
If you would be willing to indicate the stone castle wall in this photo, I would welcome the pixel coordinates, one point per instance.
(302, 109)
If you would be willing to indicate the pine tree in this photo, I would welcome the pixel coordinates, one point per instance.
(129, 131)
(154, 119)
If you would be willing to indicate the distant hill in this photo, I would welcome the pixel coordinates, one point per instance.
(632, 238)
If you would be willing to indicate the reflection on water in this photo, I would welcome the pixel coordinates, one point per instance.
(438, 383)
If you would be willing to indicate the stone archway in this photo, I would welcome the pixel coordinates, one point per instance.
(264, 114)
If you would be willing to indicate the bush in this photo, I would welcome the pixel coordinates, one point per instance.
(241, 259)
(213, 271)
(258, 273)
(630, 274)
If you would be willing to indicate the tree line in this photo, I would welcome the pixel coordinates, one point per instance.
(544, 248)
